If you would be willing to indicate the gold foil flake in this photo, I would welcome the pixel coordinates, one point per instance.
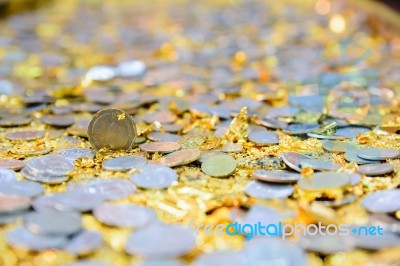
(238, 128)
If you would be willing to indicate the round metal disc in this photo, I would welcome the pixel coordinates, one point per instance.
(154, 177)
(293, 159)
(124, 163)
(375, 169)
(264, 138)
(324, 180)
(219, 166)
(276, 176)
(378, 154)
(161, 146)
(383, 201)
(264, 190)
(180, 157)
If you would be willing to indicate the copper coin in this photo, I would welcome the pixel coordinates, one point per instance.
(161, 146)
(9, 204)
(24, 135)
(11, 164)
(164, 117)
(276, 176)
(293, 159)
(181, 157)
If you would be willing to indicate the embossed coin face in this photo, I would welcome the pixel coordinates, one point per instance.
(276, 176)
(264, 190)
(7, 175)
(383, 201)
(219, 166)
(181, 157)
(153, 176)
(324, 180)
(264, 138)
(161, 241)
(378, 153)
(374, 169)
(293, 159)
(161, 146)
(112, 129)
(124, 163)
(24, 135)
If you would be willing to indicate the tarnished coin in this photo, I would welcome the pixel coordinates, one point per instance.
(124, 163)
(84, 243)
(10, 204)
(53, 223)
(221, 258)
(74, 153)
(21, 189)
(383, 201)
(161, 241)
(153, 176)
(20, 237)
(124, 215)
(351, 131)
(7, 175)
(375, 169)
(327, 244)
(112, 129)
(219, 166)
(161, 146)
(276, 176)
(378, 154)
(293, 159)
(58, 120)
(324, 180)
(264, 138)
(160, 136)
(232, 147)
(335, 146)
(264, 190)
(24, 135)
(109, 189)
(320, 165)
(299, 129)
(164, 117)
(180, 157)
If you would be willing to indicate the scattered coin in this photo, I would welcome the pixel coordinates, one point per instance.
(383, 201)
(300, 129)
(58, 120)
(75, 153)
(172, 128)
(327, 137)
(338, 203)
(351, 156)
(335, 146)
(320, 165)
(219, 166)
(11, 204)
(21, 189)
(180, 157)
(386, 221)
(112, 129)
(276, 176)
(208, 154)
(84, 243)
(124, 163)
(264, 190)
(131, 69)
(7, 175)
(13, 121)
(272, 123)
(154, 177)
(375, 169)
(164, 117)
(160, 136)
(161, 147)
(327, 244)
(324, 180)
(378, 154)
(351, 131)
(264, 138)
(24, 135)
(293, 159)
(101, 73)
(377, 242)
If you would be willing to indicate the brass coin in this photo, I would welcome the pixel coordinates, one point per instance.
(219, 166)
(113, 129)
(161, 146)
(181, 157)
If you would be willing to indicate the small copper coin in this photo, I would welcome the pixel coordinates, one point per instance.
(161, 146)
(24, 135)
(276, 176)
(11, 164)
(181, 157)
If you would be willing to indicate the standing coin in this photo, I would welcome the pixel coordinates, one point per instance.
(124, 163)
(383, 201)
(113, 129)
(181, 157)
(264, 190)
(219, 166)
(161, 146)
(378, 154)
(154, 177)
(276, 176)
(374, 169)
(264, 138)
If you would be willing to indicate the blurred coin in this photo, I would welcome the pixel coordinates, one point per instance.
(24, 135)
(378, 154)
(172, 128)
(264, 190)
(351, 131)
(10, 204)
(351, 156)
(43, 177)
(154, 177)
(22, 238)
(232, 147)
(58, 120)
(7, 175)
(113, 129)
(335, 146)
(160, 136)
(161, 146)
(86, 107)
(13, 121)
(355, 178)
(376, 242)
(207, 154)
(327, 137)
(162, 241)
(30, 149)
(299, 129)
(52, 134)
(50, 164)
(324, 180)
(12, 217)
(293, 159)
(276, 176)
(382, 201)
(375, 169)
(327, 244)
(124, 163)
(53, 223)
(338, 203)
(21, 189)
(101, 73)
(180, 157)
(74, 153)
(131, 69)
(283, 111)
(124, 215)
(320, 165)
(84, 243)
(272, 123)
(219, 166)
(386, 221)
(161, 262)
(222, 258)
(264, 138)
(164, 117)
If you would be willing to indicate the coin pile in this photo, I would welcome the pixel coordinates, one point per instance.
(124, 126)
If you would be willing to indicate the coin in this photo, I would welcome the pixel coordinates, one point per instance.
(172, 128)
(338, 203)
(375, 169)
(50, 164)
(84, 243)
(264, 138)
(378, 154)
(124, 163)
(10, 204)
(124, 215)
(160, 136)
(24, 135)
(164, 262)
(225, 257)
(382, 201)
(327, 243)
(351, 131)
(164, 117)
(351, 156)
(180, 157)
(7, 175)
(21, 189)
(101, 73)
(272, 123)
(299, 129)
(13, 121)
(58, 120)
(386, 221)
(20, 237)
(335, 146)
(162, 241)
(276, 176)
(53, 223)
(293, 159)
(327, 137)
(377, 242)
(75, 153)
(161, 146)
(207, 154)
(264, 190)
(320, 165)
(219, 166)
(324, 180)
(112, 129)
(154, 177)
(131, 69)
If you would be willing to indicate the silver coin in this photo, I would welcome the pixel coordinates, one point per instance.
(131, 69)
(109, 189)
(12, 217)
(272, 123)
(276, 176)
(7, 175)
(21, 189)
(325, 180)
(20, 237)
(164, 117)
(12, 204)
(159, 241)
(299, 129)
(154, 177)
(171, 128)
(43, 177)
(53, 223)
(124, 215)
(124, 163)
(221, 258)
(160, 146)
(282, 111)
(320, 165)
(378, 154)
(386, 221)
(55, 165)
(160, 136)
(327, 244)
(335, 146)
(383, 201)
(264, 138)
(73, 154)
(375, 169)
(58, 120)
(84, 243)
(264, 190)
(376, 242)
(338, 203)
(101, 73)
(354, 178)
(293, 159)
(273, 251)
(351, 131)
(351, 156)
